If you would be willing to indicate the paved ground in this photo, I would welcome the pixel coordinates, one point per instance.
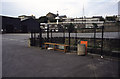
(21, 61)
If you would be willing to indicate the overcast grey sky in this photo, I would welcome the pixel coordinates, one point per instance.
(71, 8)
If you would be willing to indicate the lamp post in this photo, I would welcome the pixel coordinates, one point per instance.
(57, 18)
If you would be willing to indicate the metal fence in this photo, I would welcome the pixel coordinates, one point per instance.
(97, 43)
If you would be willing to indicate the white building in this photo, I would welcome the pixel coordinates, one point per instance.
(24, 17)
(79, 22)
(87, 21)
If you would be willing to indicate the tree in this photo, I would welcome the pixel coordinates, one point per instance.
(52, 19)
(43, 19)
(111, 18)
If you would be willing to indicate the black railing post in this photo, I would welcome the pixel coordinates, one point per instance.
(102, 42)
(47, 33)
(63, 36)
(34, 38)
(94, 39)
(51, 35)
(40, 38)
(69, 41)
(95, 27)
(31, 39)
(76, 39)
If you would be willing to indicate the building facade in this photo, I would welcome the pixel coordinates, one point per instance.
(30, 25)
(10, 24)
(86, 22)
(24, 17)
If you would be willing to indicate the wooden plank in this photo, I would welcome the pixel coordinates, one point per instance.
(58, 45)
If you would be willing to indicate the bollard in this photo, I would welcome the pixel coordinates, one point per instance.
(81, 49)
(29, 42)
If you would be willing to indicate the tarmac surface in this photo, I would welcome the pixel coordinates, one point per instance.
(19, 60)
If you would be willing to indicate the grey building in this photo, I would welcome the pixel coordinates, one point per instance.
(30, 25)
(24, 17)
(10, 24)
